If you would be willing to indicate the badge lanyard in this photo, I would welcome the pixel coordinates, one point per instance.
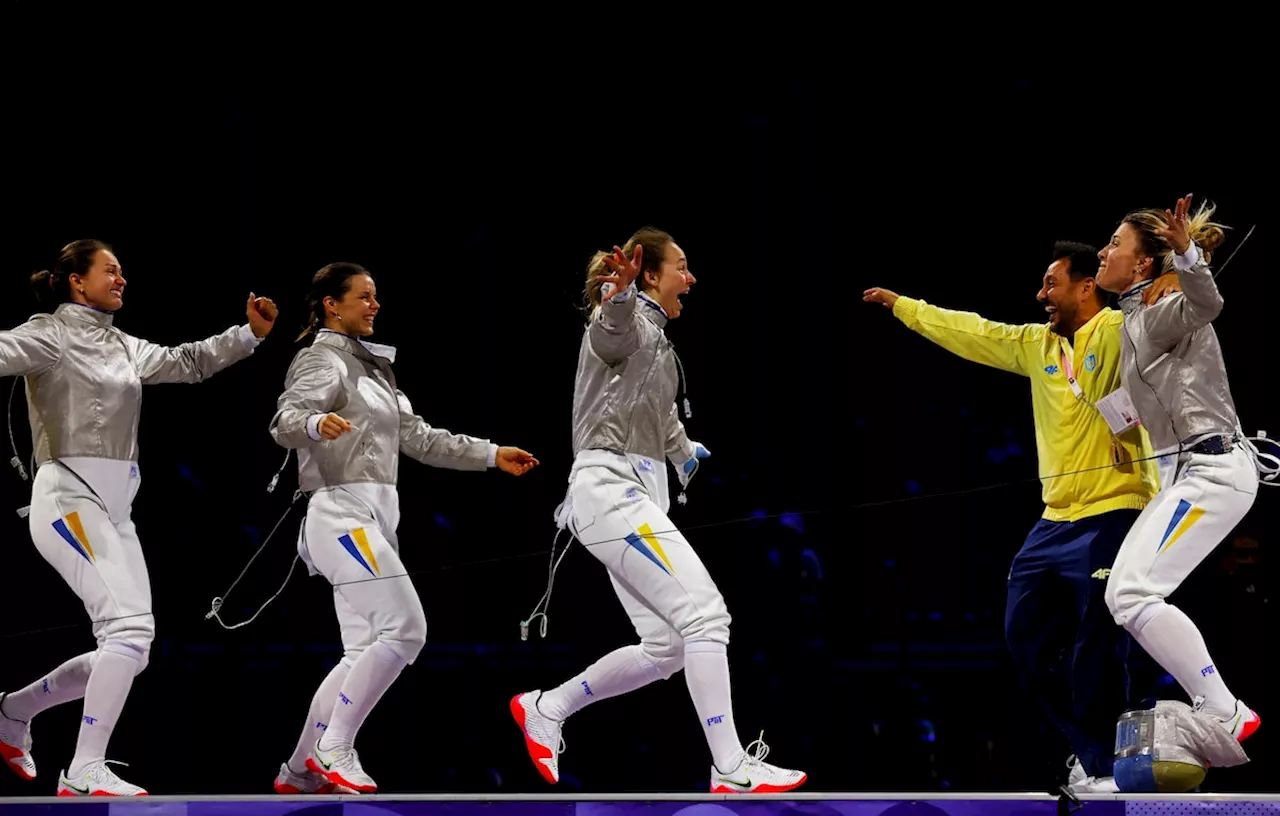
(1071, 375)
(1117, 452)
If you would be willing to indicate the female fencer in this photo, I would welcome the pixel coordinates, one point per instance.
(84, 392)
(625, 428)
(343, 413)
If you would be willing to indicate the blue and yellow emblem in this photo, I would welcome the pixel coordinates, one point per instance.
(72, 531)
(1185, 516)
(357, 543)
(646, 542)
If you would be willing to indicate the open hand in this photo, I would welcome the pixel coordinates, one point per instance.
(262, 315)
(625, 270)
(333, 426)
(515, 461)
(1164, 285)
(1177, 232)
(881, 296)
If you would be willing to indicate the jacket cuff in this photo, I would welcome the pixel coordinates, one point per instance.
(248, 338)
(492, 461)
(905, 309)
(1188, 259)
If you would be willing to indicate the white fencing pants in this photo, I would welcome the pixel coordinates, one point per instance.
(349, 536)
(1202, 499)
(660, 580)
(675, 607)
(87, 535)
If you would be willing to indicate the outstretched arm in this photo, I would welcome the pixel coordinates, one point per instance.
(312, 390)
(438, 447)
(966, 334)
(31, 348)
(197, 361)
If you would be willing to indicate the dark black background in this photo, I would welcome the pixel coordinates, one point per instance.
(867, 635)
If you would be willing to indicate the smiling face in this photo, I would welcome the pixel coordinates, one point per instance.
(1123, 262)
(1066, 300)
(354, 313)
(670, 280)
(102, 286)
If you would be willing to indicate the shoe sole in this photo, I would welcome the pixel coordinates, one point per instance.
(8, 753)
(1250, 728)
(64, 792)
(337, 779)
(290, 790)
(537, 751)
(327, 788)
(762, 788)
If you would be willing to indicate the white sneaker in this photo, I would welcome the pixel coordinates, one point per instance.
(15, 745)
(1080, 782)
(1242, 724)
(341, 766)
(754, 775)
(97, 780)
(541, 735)
(291, 784)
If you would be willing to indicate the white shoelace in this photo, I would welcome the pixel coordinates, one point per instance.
(756, 751)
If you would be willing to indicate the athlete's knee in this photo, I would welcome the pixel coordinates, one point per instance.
(126, 648)
(130, 637)
(710, 623)
(1127, 601)
(408, 635)
(665, 654)
(351, 653)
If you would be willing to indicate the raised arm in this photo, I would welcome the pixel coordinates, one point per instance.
(438, 447)
(1173, 318)
(615, 331)
(966, 334)
(312, 390)
(31, 348)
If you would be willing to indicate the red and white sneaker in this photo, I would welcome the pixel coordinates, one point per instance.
(1243, 723)
(341, 766)
(97, 780)
(292, 784)
(754, 775)
(541, 735)
(15, 745)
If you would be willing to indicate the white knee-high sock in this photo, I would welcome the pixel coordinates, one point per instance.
(104, 697)
(373, 673)
(1173, 641)
(706, 669)
(62, 685)
(318, 718)
(618, 672)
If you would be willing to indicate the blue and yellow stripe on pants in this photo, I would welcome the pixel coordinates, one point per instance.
(644, 540)
(72, 531)
(357, 543)
(1184, 517)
